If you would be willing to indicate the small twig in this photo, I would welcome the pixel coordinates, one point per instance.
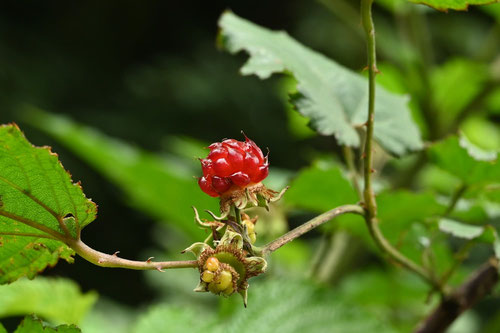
(454, 199)
(469, 293)
(309, 225)
(107, 260)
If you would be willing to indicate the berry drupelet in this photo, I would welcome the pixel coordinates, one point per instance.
(232, 165)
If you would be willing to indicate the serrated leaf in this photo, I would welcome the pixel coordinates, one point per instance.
(333, 97)
(444, 5)
(33, 325)
(150, 182)
(38, 201)
(470, 164)
(172, 319)
(460, 230)
(57, 300)
(274, 306)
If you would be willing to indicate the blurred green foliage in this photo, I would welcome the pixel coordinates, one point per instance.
(136, 93)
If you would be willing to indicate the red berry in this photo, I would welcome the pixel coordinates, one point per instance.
(232, 164)
(206, 166)
(221, 185)
(222, 167)
(206, 186)
(240, 179)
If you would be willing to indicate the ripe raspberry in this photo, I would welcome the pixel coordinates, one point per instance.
(232, 164)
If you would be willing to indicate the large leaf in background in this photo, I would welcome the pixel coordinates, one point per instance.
(333, 97)
(37, 199)
(59, 301)
(33, 325)
(151, 183)
(465, 161)
(274, 306)
(444, 5)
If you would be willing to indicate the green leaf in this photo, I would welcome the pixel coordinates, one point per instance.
(403, 221)
(274, 306)
(460, 230)
(33, 325)
(444, 5)
(172, 319)
(2, 329)
(397, 210)
(153, 184)
(333, 97)
(320, 188)
(482, 133)
(57, 300)
(38, 201)
(448, 97)
(465, 161)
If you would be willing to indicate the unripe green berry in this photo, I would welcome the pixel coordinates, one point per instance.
(212, 264)
(229, 290)
(207, 276)
(225, 280)
(213, 287)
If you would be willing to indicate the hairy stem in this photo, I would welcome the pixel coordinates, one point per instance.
(368, 195)
(309, 225)
(107, 260)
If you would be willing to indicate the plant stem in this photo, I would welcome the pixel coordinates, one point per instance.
(454, 199)
(237, 214)
(106, 260)
(309, 225)
(368, 195)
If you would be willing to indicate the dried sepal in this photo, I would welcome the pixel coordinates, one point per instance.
(197, 248)
(256, 195)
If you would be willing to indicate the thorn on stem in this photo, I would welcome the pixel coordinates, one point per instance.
(149, 260)
(116, 254)
(373, 170)
(159, 269)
